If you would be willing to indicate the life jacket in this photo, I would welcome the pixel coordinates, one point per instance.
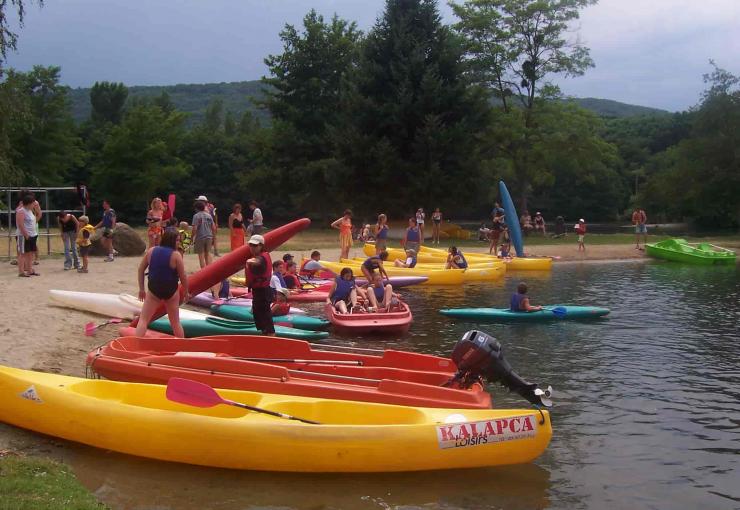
(81, 240)
(262, 280)
(516, 302)
(372, 263)
(461, 262)
(159, 266)
(279, 309)
(186, 239)
(413, 235)
(344, 288)
(379, 292)
(292, 281)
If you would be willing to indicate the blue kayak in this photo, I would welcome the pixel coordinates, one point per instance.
(550, 313)
(512, 220)
(211, 326)
(242, 313)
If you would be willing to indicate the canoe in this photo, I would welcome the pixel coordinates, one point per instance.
(396, 322)
(511, 218)
(122, 306)
(242, 313)
(560, 312)
(472, 274)
(515, 264)
(678, 250)
(281, 366)
(305, 296)
(219, 326)
(205, 299)
(137, 419)
(439, 263)
(434, 277)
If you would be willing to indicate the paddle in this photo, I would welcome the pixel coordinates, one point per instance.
(355, 363)
(558, 311)
(193, 393)
(90, 327)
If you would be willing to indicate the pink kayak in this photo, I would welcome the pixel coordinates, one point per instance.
(306, 296)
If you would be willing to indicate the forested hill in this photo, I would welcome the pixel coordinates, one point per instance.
(195, 98)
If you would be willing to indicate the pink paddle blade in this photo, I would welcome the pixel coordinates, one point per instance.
(89, 329)
(192, 393)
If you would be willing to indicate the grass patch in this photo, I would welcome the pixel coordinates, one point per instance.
(40, 484)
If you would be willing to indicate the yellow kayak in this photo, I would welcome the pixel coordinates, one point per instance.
(138, 419)
(515, 264)
(424, 258)
(435, 276)
(437, 263)
(477, 273)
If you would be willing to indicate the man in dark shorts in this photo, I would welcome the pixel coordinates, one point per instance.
(259, 272)
(108, 223)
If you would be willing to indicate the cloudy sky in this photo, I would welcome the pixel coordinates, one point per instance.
(651, 53)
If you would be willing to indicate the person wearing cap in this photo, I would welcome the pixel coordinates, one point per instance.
(202, 232)
(580, 228)
(410, 259)
(281, 305)
(259, 274)
(539, 223)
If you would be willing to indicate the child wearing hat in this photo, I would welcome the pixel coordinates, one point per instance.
(580, 228)
(84, 241)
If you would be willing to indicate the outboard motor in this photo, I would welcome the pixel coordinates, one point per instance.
(478, 355)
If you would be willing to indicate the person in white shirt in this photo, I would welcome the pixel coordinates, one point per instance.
(256, 221)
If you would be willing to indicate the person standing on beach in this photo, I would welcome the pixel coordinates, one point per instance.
(202, 233)
(69, 225)
(166, 271)
(495, 234)
(109, 224)
(639, 220)
(154, 222)
(411, 238)
(381, 234)
(344, 225)
(259, 274)
(256, 222)
(581, 231)
(84, 241)
(420, 217)
(436, 223)
(211, 209)
(25, 219)
(236, 227)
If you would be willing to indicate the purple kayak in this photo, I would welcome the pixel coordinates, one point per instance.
(396, 281)
(205, 299)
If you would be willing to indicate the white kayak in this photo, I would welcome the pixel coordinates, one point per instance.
(121, 306)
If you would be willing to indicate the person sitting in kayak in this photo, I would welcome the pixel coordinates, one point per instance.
(379, 294)
(520, 301)
(281, 305)
(372, 263)
(292, 281)
(505, 243)
(410, 261)
(456, 259)
(310, 267)
(343, 292)
(166, 270)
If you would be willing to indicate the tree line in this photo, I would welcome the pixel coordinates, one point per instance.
(412, 113)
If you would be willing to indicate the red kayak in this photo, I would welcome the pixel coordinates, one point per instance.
(289, 367)
(395, 322)
(305, 296)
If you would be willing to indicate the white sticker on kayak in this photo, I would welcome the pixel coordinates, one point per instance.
(466, 434)
(30, 394)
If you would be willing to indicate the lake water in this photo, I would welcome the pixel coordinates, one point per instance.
(647, 407)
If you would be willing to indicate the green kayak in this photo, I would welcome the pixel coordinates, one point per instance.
(678, 250)
(550, 313)
(219, 326)
(243, 313)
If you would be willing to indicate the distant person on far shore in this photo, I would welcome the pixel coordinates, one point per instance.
(495, 235)
(202, 233)
(109, 224)
(639, 220)
(344, 225)
(381, 234)
(420, 217)
(256, 221)
(497, 210)
(580, 229)
(25, 219)
(525, 221)
(236, 227)
(436, 222)
(154, 222)
(84, 241)
(69, 225)
(539, 223)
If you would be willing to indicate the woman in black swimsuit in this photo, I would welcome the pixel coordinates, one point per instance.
(236, 227)
(436, 221)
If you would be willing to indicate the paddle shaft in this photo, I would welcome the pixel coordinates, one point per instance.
(267, 411)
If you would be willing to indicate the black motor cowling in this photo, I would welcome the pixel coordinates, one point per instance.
(478, 354)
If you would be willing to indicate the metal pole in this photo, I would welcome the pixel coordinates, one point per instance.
(46, 217)
(10, 223)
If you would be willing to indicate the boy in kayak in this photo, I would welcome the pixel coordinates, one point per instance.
(410, 261)
(520, 301)
(312, 266)
(343, 292)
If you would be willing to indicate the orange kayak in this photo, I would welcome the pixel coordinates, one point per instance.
(288, 367)
(396, 322)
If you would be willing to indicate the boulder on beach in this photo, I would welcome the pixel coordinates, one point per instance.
(125, 241)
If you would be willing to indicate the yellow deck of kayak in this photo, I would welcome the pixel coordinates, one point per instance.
(137, 419)
(478, 273)
(435, 277)
(515, 264)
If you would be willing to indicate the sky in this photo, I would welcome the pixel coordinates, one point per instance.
(647, 52)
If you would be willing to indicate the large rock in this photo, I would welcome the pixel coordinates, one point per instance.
(125, 241)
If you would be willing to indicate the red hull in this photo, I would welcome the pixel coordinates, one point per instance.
(308, 296)
(384, 379)
(371, 323)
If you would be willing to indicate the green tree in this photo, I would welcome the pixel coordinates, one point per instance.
(409, 119)
(515, 46)
(9, 39)
(108, 100)
(141, 158)
(214, 115)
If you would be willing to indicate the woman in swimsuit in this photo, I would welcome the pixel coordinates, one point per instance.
(344, 224)
(154, 222)
(436, 221)
(166, 270)
(420, 216)
(236, 227)
(381, 234)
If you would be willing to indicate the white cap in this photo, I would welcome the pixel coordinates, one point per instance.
(257, 239)
(201, 198)
(285, 292)
(582, 220)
